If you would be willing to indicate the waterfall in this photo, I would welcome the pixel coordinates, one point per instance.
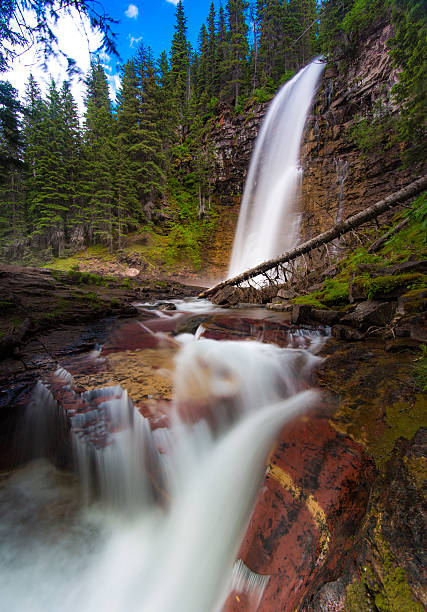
(267, 223)
(130, 551)
(165, 509)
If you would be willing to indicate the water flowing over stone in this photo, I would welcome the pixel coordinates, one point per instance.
(268, 220)
(177, 551)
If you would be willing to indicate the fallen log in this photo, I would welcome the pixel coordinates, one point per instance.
(338, 230)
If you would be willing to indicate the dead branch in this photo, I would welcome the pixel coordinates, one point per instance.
(335, 232)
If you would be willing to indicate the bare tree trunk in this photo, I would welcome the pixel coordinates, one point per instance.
(335, 232)
(375, 246)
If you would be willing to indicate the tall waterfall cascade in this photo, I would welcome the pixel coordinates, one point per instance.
(269, 222)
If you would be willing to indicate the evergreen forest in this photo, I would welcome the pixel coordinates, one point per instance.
(147, 161)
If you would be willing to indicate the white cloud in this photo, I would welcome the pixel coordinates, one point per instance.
(174, 2)
(77, 40)
(133, 41)
(114, 83)
(132, 11)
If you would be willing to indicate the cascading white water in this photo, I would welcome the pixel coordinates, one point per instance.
(268, 223)
(174, 554)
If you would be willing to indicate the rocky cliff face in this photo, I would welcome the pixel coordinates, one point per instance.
(234, 137)
(338, 178)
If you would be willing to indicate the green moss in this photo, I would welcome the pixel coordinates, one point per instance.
(62, 305)
(334, 293)
(127, 283)
(357, 599)
(383, 285)
(403, 420)
(87, 278)
(378, 401)
(91, 296)
(310, 300)
(55, 274)
(386, 589)
(355, 259)
(64, 264)
(417, 468)
(391, 593)
(420, 369)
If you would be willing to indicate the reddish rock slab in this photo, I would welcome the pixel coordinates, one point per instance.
(312, 501)
(259, 325)
(137, 334)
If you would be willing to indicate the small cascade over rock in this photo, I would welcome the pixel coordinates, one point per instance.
(268, 223)
(176, 500)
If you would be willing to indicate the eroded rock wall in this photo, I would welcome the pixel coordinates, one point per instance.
(233, 136)
(338, 178)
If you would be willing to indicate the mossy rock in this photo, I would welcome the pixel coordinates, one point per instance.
(413, 302)
(385, 286)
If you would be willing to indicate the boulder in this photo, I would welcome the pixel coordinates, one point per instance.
(413, 326)
(395, 345)
(412, 302)
(280, 307)
(227, 296)
(327, 317)
(357, 290)
(244, 305)
(167, 306)
(189, 324)
(286, 294)
(370, 313)
(344, 332)
(406, 267)
(131, 272)
(301, 313)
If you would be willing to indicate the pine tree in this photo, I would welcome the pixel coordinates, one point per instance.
(72, 167)
(211, 54)
(201, 68)
(180, 67)
(128, 120)
(12, 220)
(305, 13)
(221, 52)
(332, 38)
(148, 147)
(47, 201)
(99, 158)
(237, 52)
(408, 47)
(167, 108)
(269, 13)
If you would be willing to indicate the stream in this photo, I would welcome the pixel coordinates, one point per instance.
(153, 515)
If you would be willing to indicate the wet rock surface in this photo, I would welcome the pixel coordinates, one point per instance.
(344, 485)
(314, 496)
(36, 299)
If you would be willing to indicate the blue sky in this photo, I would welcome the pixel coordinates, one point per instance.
(153, 22)
(149, 21)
